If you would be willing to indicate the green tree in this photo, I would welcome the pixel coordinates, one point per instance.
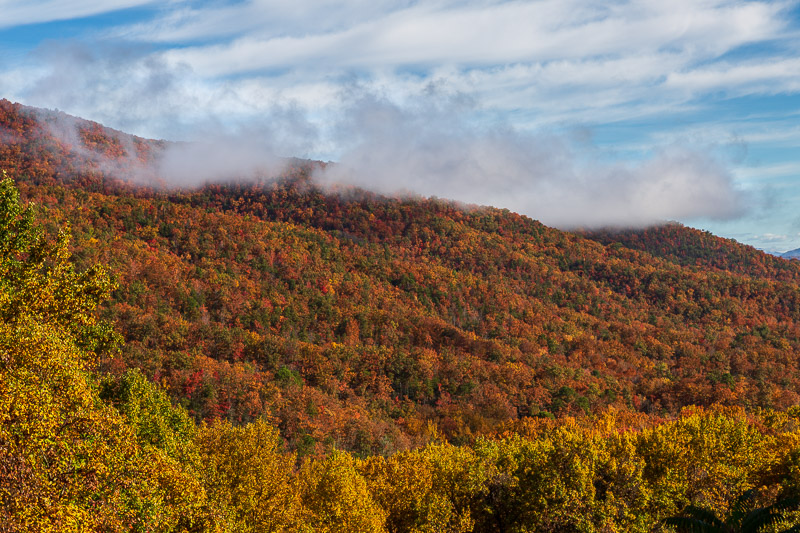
(744, 517)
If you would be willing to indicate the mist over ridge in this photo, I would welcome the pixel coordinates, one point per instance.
(429, 147)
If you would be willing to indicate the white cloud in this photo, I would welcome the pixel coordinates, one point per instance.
(18, 12)
(426, 148)
(771, 237)
(485, 34)
(121, 86)
(262, 17)
(762, 77)
(548, 62)
(770, 172)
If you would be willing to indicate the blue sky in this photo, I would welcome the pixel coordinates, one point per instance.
(573, 112)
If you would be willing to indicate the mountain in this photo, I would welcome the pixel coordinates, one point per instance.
(357, 321)
(792, 254)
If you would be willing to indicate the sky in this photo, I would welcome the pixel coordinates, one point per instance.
(577, 113)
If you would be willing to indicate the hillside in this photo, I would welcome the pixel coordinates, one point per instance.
(353, 320)
(791, 254)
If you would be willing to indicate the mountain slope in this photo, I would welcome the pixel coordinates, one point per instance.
(353, 320)
(791, 254)
(699, 249)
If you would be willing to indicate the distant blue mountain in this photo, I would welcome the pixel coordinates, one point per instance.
(791, 254)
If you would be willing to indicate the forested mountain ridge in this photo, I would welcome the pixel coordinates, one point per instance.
(701, 249)
(481, 371)
(356, 321)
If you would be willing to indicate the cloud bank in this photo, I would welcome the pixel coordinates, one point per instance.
(547, 62)
(17, 12)
(428, 147)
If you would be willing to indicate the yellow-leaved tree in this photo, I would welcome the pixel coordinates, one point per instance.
(70, 461)
(336, 496)
(250, 478)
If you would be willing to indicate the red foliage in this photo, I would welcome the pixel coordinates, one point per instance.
(363, 317)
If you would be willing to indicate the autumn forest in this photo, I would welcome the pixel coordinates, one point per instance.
(270, 354)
